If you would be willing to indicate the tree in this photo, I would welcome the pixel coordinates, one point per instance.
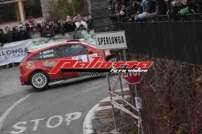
(59, 9)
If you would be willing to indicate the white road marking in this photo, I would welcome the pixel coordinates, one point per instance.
(20, 126)
(8, 111)
(51, 122)
(72, 116)
(60, 120)
(87, 124)
(36, 123)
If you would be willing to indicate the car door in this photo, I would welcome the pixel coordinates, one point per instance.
(75, 51)
(46, 60)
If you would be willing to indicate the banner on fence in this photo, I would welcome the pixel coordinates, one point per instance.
(16, 51)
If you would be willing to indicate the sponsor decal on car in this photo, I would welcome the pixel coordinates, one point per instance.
(100, 65)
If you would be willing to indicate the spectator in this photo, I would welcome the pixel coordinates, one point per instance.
(23, 33)
(8, 34)
(122, 13)
(2, 40)
(35, 32)
(90, 22)
(149, 9)
(48, 31)
(80, 23)
(61, 28)
(69, 25)
(32, 29)
(162, 7)
(187, 9)
(181, 8)
(15, 34)
(140, 10)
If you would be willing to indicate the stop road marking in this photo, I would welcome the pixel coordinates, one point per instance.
(52, 122)
(59, 121)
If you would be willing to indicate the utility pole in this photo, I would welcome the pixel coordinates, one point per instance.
(21, 10)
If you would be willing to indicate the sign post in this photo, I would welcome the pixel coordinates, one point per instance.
(112, 41)
(115, 40)
(133, 80)
(111, 99)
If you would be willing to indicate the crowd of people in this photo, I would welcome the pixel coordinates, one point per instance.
(121, 10)
(32, 29)
(141, 10)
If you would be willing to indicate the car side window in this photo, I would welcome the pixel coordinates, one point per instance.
(49, 53)
(46, 54)
(36, 57)
(79, 49)
(72, 50)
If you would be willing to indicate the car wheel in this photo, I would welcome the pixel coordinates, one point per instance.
(39, 80)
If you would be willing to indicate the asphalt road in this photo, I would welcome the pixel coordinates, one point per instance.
(58, 110)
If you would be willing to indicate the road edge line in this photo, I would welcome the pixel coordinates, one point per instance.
(8, 111)
(87, 123)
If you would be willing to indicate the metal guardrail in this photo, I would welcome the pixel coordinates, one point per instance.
(159, 18)
(118, 24)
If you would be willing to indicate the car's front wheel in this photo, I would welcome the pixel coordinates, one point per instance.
(39, 80)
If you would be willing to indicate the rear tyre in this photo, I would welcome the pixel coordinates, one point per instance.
(39, 80)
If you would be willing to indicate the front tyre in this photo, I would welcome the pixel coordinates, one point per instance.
(39, 80)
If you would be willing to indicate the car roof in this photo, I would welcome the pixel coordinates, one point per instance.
(56, 44)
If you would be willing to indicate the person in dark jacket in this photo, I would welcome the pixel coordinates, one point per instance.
(15, 34)
(149, 9)
(2, 37)
(8, 35)
(48, 31)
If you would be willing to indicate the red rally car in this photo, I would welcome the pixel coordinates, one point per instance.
(35, 68)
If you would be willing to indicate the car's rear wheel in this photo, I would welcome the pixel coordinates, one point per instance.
(39, 80)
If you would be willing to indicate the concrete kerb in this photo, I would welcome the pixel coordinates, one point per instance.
(87, 123)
